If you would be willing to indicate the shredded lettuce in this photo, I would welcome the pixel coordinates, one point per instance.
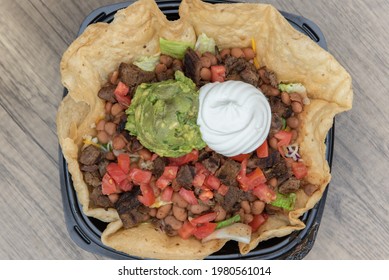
(228, 222)
(205, 44)
(292, 87)
(174, 48)
(148, 63)
(285, 201)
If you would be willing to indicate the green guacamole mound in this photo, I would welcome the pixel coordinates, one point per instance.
(163, 116)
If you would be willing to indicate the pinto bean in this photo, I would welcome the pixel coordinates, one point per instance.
(153, 212)
(160, 68)
(297, 107)
(180, 213)
(257, 207)
(100, 125)
(110, 128)
(178, 200)
(292, 122)
(173, 222)
(163, 211)
(118, 142)
(103, 137)
(205, 74)
(205, 61)
(248, 218)
(108, 107)
(221, 213)
(294, 96)
(212, 57)
(285, 98)
(225, 52)
(145, 154)
(113, 197)
(245, 206)
(116, 109)
(198, 208)
(167, 60)
(248, 53)
(273, 143)
(237, 52)
(273, 182)
(114, 77)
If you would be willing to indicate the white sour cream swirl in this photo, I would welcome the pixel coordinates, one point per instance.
(234, 117)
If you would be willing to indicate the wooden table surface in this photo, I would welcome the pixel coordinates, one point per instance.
(35, 33)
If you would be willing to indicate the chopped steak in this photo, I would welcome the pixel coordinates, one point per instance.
(159, 166)
(227, 173)
(212, 163)
(133, 76)
(107, 93)
(98, 199)
(264, 163)
(130, 209)
(241, 69)
(92, 178)
(192, 65)
(289, 186)
(231, 200)
(275, 125)
(89, 168)
(203, 154)
(185, 176)
(280, 170)
(103, 167)
(90, 155)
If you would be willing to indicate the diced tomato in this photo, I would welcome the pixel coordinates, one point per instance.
(167, 194)
(147, 197)
(170, 172)
(204, 230)
(284, 138)
(186, 230)
(125, 185)
(264, 193)
(124, 162)
(192, 156)
(139, 176)
(121, 89)
(299, 169)
(188, 196)
(124, 100)
(241, 157)
(209, 217)
(198, 180)
(255, 178)
(206, 195)
(218, 73)
(223, 189)
(162, 182)
(212, 182)
(257, 221)
(116, 172)
(263, 150)
(108, 185)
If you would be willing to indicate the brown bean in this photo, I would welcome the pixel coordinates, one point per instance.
(257, 207)
(179, 201)
(118, 118)
(292, 122)
(248, 218)
(262, 74)
(118, 142)
(110, 128)
(167, 60)
(297, 107)
(108, 107)
(285, 98)
(100, 125)
(245, 206)
(205, 61)
(116, 109)
(177, 65)
(114, 77)
(103, 137)
(173, 222)
(212, 57)
(294, 96)
(145, 154)
(180, 213)
(160, 68)
(294, 135)
(110, 156)
(273, 142)
(248, 53)
(221, 213)
(153, 212)
(205, 74)
(198, 208)
(273, 182)
(237, 52)
(163, 211)
(225, 52)
(113, 197)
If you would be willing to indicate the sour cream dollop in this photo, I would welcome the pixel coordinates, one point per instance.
(234, 117)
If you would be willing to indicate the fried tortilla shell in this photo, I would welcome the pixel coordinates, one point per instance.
(135, 32)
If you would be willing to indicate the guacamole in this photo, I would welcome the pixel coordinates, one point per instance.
(163, 116)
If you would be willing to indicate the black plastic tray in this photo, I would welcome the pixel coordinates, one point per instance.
(86, 231)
